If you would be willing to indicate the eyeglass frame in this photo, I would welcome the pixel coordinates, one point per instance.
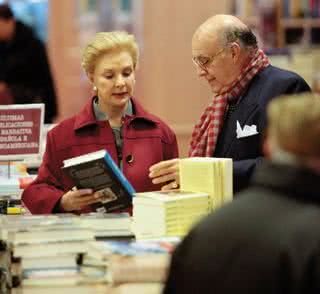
(205, 66)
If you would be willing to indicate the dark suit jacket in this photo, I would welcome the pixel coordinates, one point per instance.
(246, 152)
(267, 241)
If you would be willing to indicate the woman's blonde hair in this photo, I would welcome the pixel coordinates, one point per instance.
(105, 42)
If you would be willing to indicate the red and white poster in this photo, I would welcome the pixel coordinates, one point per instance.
(20, 130)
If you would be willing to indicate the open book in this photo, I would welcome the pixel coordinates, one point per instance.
(99, 172)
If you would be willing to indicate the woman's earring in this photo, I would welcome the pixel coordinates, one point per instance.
(95, 89)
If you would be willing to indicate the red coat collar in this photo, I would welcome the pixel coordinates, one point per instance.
(86, 116)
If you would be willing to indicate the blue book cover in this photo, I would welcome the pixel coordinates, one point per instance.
(143, 247)
(98, 171)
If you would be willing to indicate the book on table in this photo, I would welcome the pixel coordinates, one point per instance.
(51, 261)
(210, 175)
(57, 277)
(135, 261)
(13, 179)
(169, 213)
(42, 229)
(98, 171)
(108, 225)
(49, 249)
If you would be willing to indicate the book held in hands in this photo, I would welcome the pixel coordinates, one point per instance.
(98, 171)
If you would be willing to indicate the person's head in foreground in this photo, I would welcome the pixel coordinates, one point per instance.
(267, 240)
(294, 130)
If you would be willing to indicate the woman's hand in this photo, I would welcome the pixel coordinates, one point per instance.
(78, 199)
(166, 172)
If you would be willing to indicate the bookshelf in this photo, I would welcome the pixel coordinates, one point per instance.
(288, 30)
(281, 23)
(302, 31)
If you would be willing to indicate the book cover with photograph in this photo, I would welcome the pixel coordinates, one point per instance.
(98, 171)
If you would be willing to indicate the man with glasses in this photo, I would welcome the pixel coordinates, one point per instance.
(226, 55)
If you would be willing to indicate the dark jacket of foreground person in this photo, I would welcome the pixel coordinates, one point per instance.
(267, 241)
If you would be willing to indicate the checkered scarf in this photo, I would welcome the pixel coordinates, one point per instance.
(206, 131)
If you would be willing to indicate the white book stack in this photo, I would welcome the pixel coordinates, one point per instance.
(10, 187)
(208, 175)
(42, 229)
(13, 178)
(45, 247)
(142, 261)
(107, 225)
(167, 213)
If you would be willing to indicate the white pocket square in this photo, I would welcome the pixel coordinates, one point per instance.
(246, 131)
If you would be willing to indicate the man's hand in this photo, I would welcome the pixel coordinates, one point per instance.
(78, 199)
(166, 172)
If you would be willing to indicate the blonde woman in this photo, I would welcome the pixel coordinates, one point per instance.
(113, 120)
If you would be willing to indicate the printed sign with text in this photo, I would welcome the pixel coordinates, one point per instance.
(20, 130)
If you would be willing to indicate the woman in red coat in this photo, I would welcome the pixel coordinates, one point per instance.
(111, 120)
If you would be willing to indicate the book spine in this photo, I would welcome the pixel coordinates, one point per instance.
(126, 184)
(286, 8)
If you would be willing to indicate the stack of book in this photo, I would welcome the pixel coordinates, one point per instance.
(108, 225)
(52, 253)
(167, 213)
(208, 175)
(35, 243)
(13, 179)
(48, 250)
(14, 186)
(135, 261)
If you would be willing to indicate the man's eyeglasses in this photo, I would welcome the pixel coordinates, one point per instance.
(204, 61)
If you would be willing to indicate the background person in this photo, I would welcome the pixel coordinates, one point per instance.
(111, 120)
(267, 240)
(242, 81)
(25, 75)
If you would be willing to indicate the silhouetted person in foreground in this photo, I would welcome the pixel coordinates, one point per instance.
(267, 241)
(25, 75)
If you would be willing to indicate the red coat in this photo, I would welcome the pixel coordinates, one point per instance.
(145, 137)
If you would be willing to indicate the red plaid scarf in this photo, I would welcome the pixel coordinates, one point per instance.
(206, 131)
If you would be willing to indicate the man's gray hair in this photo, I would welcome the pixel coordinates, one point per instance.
(244, 36)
